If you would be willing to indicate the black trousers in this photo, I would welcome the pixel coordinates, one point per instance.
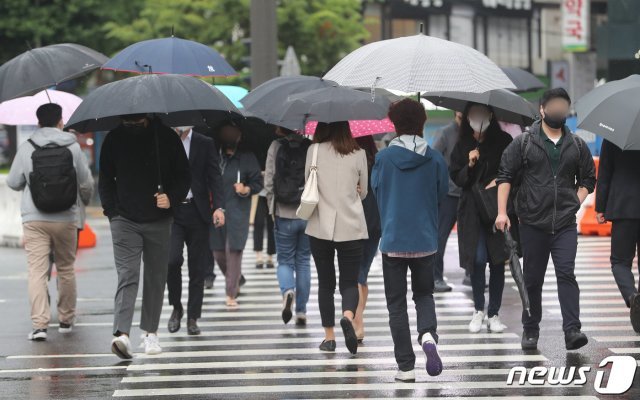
(625, 240)
(262, 216)
(537, 246)
(395, 290)
(349, 259)
(447, 217)
(188, 227)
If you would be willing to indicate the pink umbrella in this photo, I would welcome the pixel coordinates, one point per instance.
(22, 111)
(361, 127)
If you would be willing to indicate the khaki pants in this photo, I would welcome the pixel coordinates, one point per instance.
(40, 238)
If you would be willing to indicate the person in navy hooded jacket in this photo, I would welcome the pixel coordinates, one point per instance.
(409, 179)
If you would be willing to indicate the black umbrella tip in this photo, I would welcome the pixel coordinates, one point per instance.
(421, 28)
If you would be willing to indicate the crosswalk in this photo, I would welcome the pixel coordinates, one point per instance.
(249, 353)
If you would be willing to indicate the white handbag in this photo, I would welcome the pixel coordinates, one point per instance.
(310, 196)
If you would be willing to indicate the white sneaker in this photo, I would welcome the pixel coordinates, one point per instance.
(406, 376)
(495, 325)
(121, 346)
(38, 335)
(476, 322)
(65, 328)
(152, 344)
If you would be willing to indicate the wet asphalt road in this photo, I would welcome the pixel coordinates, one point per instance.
(249, 353)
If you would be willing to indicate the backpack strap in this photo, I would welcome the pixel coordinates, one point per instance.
(524, 147)
(578, 144)
(35, 146)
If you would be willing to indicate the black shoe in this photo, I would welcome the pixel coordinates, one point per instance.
(174, 320)
(328, 345)
(574, 339)
(467, 280)
(441, 287)
(301, 320)
(270, 265)
(350, 338)
(634, 313)
(529, 341)
(242, 280)
(259, 265)
(192, 327)
(287, 303)
(208, 281)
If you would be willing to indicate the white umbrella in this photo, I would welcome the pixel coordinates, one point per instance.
(22, 111)
(419, 63)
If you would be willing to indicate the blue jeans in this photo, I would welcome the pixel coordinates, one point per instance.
(478, 278)
(294, 259)
(369, 253)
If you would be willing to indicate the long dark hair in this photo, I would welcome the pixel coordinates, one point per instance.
(466, 131)
(369, 146)
(339, 134)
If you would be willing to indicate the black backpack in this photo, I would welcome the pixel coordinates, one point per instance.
(53, 182)
(288, 181)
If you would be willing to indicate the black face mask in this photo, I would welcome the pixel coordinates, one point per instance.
(554, 121)
(135, 128)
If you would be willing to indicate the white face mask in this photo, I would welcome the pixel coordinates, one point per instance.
(480, 125)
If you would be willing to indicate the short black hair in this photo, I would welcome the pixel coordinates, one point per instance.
(49, 115)
(555, 93)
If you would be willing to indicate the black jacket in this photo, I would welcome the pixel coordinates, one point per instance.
(545, 201)
(206, 179)
(485, 170)
(129, 172)
(618, 190)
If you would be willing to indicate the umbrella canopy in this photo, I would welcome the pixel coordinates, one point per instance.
(332, 104)
(177, 99)
(419, 64)
(44, 67)
(516, 270)
(524, 81)
(265, 101)
(233, 93)
(360, 128)
(170, 55)
(508, 106)
(22, 111)
(613, 112)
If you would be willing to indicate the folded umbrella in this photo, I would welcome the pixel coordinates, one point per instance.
(22, 111)
(265, 101)
(508, 106)
(45, 67)
(524, 81)
(177, 99)
(419, 64)
(613, 112)
(170, 55)
(516, 270)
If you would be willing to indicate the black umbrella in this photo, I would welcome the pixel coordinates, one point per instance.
(177, 99)
(613, 112)
(265, 101)
(524, 81)
(516, 270)
(331, 104)
(508, 106)
(40, 68)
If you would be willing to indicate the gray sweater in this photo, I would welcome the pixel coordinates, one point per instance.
(22, 166)
(445, 144)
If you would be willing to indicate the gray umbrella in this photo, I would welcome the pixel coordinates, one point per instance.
(40, 68)
(265, 101)
(508, 106)
(516, 270)
(177, 99)
(419, 64)
(613, 112)
(525, 81)
(332, 104)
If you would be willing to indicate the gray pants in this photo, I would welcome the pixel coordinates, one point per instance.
(230, 263)
(131, 241)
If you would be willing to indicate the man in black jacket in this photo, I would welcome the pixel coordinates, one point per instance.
(618, 201)
(191, 220)
(144, 174)
(556, 172)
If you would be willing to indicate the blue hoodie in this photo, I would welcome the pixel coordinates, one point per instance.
(408, 187)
